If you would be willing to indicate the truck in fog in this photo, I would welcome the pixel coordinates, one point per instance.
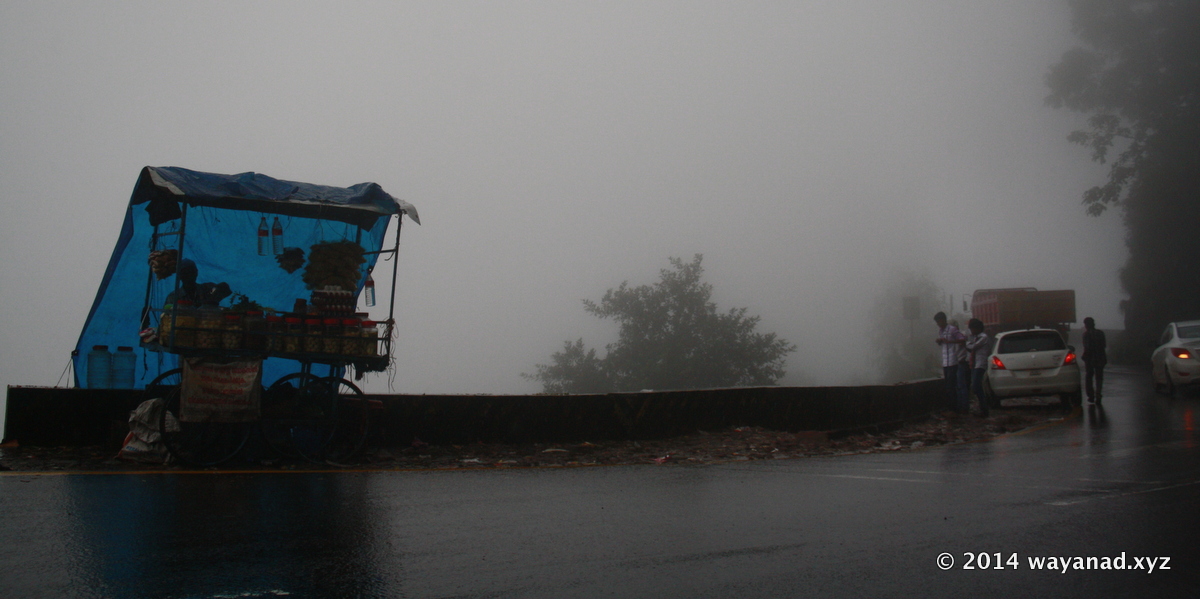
(1022, 308)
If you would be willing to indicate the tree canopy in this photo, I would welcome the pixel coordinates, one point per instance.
(1137, 74)
(672, 336)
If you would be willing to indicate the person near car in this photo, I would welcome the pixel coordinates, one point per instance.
(979, 346)
(1095, 357)
(954, 357)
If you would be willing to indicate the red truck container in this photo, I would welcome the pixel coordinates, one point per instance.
(1022, 308)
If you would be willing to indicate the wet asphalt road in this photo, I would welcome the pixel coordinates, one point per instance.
(1122, 480)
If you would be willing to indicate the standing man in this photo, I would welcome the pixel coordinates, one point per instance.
(980, 346)
(951, 340)
(1095, 356)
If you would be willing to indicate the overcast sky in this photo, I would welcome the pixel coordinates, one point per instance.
(555, 149)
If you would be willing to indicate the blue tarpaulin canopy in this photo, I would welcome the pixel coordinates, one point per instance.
(222, 215)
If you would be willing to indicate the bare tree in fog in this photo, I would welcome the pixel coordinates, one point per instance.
(1138, 76)
(902, 341)
(672, 336)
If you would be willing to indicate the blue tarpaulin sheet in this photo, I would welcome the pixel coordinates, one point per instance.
(221, 215)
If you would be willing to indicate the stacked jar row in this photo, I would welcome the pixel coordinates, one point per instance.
(211, 329)
(335, 336)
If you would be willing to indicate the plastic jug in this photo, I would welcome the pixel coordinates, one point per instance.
(99, 368)
(124, 363)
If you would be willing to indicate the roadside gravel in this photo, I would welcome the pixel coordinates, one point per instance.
(703, 447)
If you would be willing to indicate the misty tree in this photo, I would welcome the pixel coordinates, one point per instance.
(904, 349)
(1137, 75)
(672, 336)
(575, 369)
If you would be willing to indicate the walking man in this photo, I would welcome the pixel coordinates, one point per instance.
(1095, 356)
(950, 341)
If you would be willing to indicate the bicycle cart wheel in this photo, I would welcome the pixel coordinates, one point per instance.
(353, 419)
(163, 383)
(282, 412)
(299, 416)
(200, 444)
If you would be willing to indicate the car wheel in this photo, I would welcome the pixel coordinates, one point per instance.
(988, 396)
(1170, 384)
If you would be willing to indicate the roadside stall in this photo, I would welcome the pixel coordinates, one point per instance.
(244, 299)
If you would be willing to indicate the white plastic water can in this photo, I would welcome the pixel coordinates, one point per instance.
(124, 363)
(99, 368)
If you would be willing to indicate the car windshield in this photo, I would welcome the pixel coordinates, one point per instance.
(1189, 332)
(1019, 343)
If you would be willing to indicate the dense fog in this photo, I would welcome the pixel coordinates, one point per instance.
(811, 151)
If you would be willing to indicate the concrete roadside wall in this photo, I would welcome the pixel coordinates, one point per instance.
(44, 416)
(53, 417)
(563, 418)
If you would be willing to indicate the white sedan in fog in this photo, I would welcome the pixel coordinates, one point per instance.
(1032, 362)
(1175, 361)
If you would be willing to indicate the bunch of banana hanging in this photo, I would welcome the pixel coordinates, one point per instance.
(333, 263)
(163, 263)
(291, 259)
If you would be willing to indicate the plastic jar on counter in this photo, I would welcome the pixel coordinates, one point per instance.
(208, 323)
(370, 339)
(332, 343)
(312, 335)
(184, 332)
(187, 320)
(351, 336)
(273, 342)
(164, 325)
(293, 337)
(255, 328)
(231, 332)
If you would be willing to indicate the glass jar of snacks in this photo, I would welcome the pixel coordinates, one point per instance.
(332, 343)
(351, 336)
(255, 328)
(293, 338)
(231, 332)
(183, 332)
(275, 330)
(312, 335)
(208, 324)
(370, 339)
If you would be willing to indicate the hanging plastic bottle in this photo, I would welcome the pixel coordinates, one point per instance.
(369, 290)
(276, 237)
(264, 237)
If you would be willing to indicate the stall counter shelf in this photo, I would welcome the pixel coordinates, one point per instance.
(376, 363)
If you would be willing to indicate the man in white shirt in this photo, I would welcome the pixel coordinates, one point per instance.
(954, 366)
(980, 346)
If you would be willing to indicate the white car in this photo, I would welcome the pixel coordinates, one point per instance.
(1174, 360)
(1032, 362)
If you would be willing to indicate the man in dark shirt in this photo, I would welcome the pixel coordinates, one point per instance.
(1095, 356)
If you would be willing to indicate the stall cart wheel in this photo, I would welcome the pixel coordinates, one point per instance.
(199, 444)
(353, 420)
(299, 416)
(163, 383)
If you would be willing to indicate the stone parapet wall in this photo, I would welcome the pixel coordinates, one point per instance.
(647, 415)
(43, 416)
